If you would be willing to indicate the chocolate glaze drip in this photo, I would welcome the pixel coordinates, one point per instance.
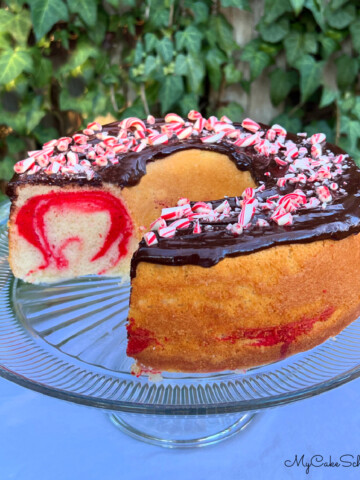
(339, 219)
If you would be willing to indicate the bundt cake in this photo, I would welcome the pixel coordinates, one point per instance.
(270, 268)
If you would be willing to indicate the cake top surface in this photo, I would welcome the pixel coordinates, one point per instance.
(307, 188)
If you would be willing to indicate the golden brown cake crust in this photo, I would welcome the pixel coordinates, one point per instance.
(244, 311)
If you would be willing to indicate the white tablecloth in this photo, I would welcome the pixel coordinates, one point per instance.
(42, 438)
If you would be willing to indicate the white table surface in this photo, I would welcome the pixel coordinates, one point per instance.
(42, 438)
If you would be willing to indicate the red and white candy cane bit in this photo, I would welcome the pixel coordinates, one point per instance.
(222, 207)
(247, 141)
(90, 174)
(158, 139)
(279, 130)
(316, 151)
(302, 178)
(267, 174)
(139, 147)
(317, 138)
(180, 224)
(270, 135)
(110, 141)
(174, 117)
(302, 151)
(133, 122)
(50, 143)
(150, 239)
(53, 168)
(167, 232)
(150, 120)
(62, 145)
(80, 139)
(43, 161)
(174, 213)
(313, 202)
(85, 163)
(232, 133)
(199, 125)
(24, 165)
(34, 169)
(339, 158)
(247, 211)
(120, 148)
(91, 155)
(72, 158)
(324, 194)
(194, 115)
(223, 126)
(334, 186)
(284, 219)
(278, 212)
(236, 229)
(250, 125)
(292, 152)
(197, 227)
(201, 207)
(94, 126)
(88, 132)
(280, 162)
(101, 161)
(213, 138)
(248, 193)
(262, 223)
(209, 125)
(183, 201)
(184, 133)
(139, 134)
(226, 119)
(158, 223)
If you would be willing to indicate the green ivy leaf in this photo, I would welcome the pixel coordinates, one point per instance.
(328, 97)
(242, 4)
(196, 73)
(297, 6)
(328, 46)
(200, 11)
(257, 59)
(181, 67)
(84, 50)
(189, 39)
(6, 20)
(356, 109)
(12, 63)
(21, 27)
(221, 31)
(310, 75)
(189, 101)
(87, 10)
(291, 124)
(335, 4)
(165, 49)
(7, 168)
(150, 42)
(346, 71)
(310, 43)
(150, 65)
(214, 59)
(172, 89)
(233, 111)
(281, 82)
(355, 34)
(274, 9)
(42, 72)
(232, 74)
(45, 13)
(317, 9)
(342, 17)
(138, 53)
(274, 32)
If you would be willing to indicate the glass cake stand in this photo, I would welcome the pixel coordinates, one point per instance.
(68, 341)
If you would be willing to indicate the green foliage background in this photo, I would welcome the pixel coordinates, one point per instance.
(62, 63)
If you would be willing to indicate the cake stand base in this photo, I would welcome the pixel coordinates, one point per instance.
(182, 431)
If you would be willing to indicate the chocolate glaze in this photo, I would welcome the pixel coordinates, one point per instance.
(338, 220)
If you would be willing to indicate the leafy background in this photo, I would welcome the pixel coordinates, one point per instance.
(63, 63)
